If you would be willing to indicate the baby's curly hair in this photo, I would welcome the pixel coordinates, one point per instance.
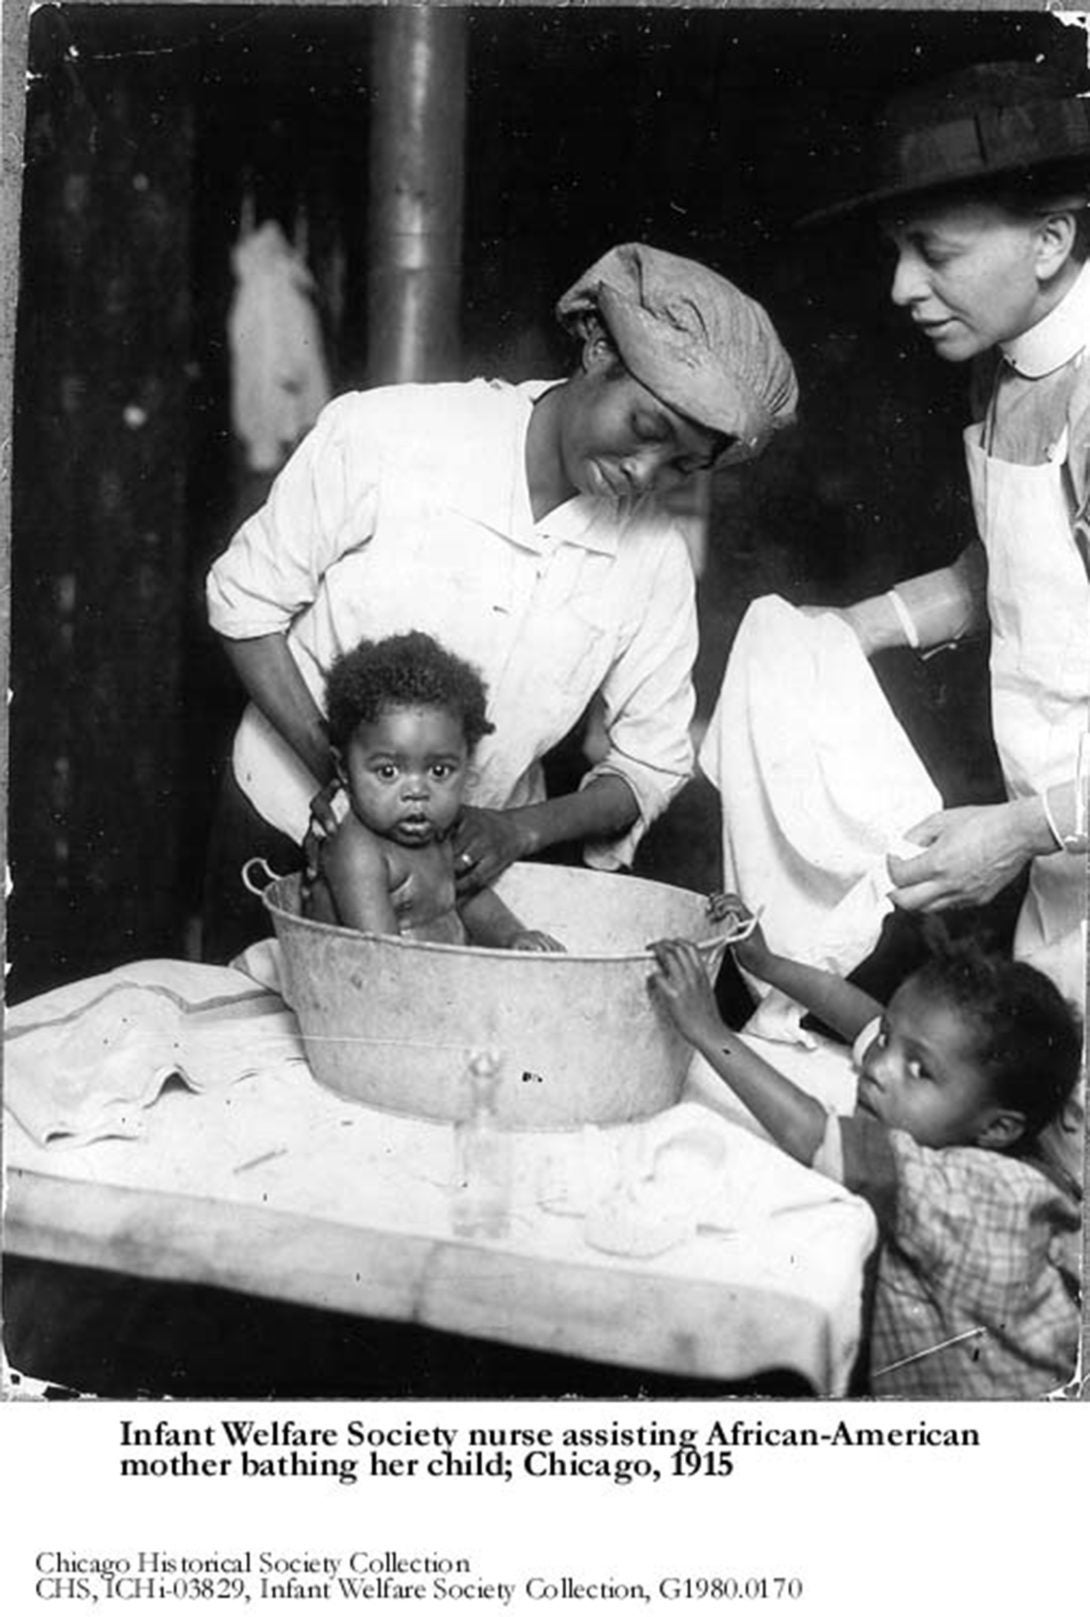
(1029, 1039)
(403, 670)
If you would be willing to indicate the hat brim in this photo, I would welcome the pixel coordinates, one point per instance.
(873, 201)
(971, 151)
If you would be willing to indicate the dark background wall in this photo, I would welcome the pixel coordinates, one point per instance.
(707, 131)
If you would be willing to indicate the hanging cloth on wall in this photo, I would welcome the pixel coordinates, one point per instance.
(279, 376)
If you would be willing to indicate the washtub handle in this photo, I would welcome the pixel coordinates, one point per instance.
(248, 880)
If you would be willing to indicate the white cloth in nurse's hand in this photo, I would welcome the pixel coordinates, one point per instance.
(818, 784)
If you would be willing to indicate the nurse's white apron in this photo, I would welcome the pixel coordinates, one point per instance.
(1039, 606)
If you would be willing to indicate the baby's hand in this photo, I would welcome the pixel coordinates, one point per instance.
(537, 943)
(681, 986)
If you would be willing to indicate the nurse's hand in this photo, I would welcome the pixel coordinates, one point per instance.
(486, 841)
(969, 855)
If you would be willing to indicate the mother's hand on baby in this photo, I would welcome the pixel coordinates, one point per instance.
(486, 841)
(969, 855)
(324, 820)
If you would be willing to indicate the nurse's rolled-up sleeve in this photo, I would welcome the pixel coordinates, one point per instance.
(321, 505)
(649, 703)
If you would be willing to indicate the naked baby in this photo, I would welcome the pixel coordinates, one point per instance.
(404, 716)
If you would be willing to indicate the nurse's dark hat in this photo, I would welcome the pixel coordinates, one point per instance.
(985, 122)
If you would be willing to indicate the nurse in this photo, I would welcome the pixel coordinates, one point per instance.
(519, 525)
(982, 188)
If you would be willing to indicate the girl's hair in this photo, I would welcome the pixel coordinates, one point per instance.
(403, 670)
(1028, 1037)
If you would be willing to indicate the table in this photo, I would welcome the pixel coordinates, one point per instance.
(271, 1185)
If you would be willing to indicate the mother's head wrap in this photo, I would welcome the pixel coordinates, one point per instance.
(691, 337)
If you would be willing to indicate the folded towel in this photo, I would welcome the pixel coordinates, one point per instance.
(82, 1063)
(818, 784)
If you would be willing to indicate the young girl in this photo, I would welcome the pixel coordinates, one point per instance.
(976, 1291)
(404, 717)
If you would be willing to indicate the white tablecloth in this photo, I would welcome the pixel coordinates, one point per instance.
(782, 1240)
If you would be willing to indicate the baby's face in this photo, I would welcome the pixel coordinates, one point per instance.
(407, 772)
(921, 1072)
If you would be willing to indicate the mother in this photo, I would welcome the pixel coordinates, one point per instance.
(518, 525)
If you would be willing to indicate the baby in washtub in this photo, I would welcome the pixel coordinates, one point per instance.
(404, 716)
(959, 1077)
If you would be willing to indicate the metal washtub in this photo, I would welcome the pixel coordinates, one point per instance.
(391, 1022)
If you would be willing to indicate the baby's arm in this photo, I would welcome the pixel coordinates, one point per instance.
(490, 923)
(794, 1119)
(354, 865)
(840, 1005)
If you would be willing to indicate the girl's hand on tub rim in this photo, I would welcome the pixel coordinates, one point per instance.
(748, 944)
(728, 907)
(682, 988)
